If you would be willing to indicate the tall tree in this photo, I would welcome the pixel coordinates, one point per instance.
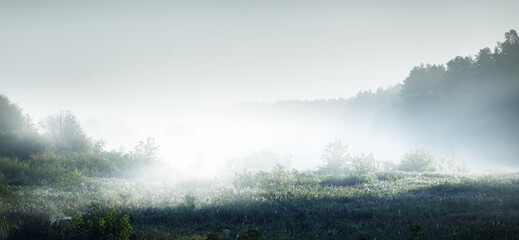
(64, 132)
(18, 137)
(12, 117)
(336, 158)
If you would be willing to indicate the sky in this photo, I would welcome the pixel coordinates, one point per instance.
(135, 65)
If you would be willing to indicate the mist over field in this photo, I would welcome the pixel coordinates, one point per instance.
(215, 82)
(259, 136)
(255, 135)
(257, 120)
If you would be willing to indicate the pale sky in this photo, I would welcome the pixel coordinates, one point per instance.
(126, 67)
(100, 58)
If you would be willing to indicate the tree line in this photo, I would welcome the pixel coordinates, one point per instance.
(470, 101)
(60, 153)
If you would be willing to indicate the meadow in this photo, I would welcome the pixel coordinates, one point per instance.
(280, 204)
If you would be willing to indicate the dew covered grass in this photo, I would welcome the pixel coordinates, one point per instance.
(289, 205)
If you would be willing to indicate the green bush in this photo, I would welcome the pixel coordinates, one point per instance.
(18, 137)
(94, 225)
(64, 133)
(20, 143)
(335, 157)
(277, 179)
(390, 176)
(213, 236)
(14, 171)
(45, 174)
(449, 163)
(69, 179)
(417, 160)
(363, 164)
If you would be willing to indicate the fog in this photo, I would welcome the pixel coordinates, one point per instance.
(219, 142)
(223, 86)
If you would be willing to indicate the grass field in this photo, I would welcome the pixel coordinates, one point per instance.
(286, 205)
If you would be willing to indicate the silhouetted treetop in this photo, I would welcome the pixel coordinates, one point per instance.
(64, 132)
(471, 100)
(12, 117)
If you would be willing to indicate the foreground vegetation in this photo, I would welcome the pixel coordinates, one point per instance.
(280, 204)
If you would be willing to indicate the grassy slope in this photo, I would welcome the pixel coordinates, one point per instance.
(287, 205)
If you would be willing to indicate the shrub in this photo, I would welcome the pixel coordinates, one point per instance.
(449, 163)
(70, 178)
(64, 132)
(20, 143)
(390, 176)
(14, 171)
(416, 232)
(94, 225)
(212, 236)
(417, 160)
(364, 164)
(144, 154)
(335, 157)
(18, 138)
(276, 180)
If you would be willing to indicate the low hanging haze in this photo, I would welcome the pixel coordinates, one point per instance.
(134, 68)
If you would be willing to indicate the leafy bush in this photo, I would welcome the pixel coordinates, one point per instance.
(92, 164)
(94, 225)
(17, 172)
(246, 179)
(67, 168)
(416, 232)
(449, 163)
(18, 137)
(65, 133)
(144, 154)
(63, 153)
(20, 143)
(390, 176)
(417, 160)
(277, 179)
(363, 164)
(213, 236)
(336, 158)
(14, 171)
(70, 178)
